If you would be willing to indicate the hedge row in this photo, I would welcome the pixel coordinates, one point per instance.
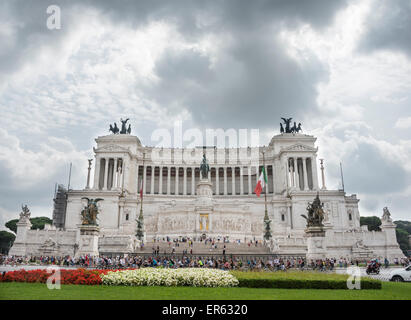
(303, 284)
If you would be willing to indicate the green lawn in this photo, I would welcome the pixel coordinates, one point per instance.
(17, 290)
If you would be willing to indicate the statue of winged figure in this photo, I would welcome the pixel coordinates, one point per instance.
(287, 124)
(89, 213)
(123, 126)
(315, 213)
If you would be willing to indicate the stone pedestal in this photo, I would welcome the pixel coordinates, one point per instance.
(204, 206)
(88, 241)
(316, 246)
(392, 249)
(19, 245)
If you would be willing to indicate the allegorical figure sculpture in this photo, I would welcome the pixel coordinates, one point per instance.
(315, 213)
(386, 216)
(123, 126)
(204, 168)
(114, 128)
(25, 213)
(90, 212)
(288, 128)
(124, 129)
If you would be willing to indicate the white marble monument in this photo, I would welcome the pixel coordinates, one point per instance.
(178, 202)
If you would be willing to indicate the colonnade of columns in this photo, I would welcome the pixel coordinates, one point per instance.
(182, 180)
(108, 173)
(300, 172)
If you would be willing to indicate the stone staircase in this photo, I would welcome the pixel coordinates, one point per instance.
(200, 248)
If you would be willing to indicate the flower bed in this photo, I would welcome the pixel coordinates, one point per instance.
(170, 277)
(74, 276)
(299, 280)
(195, 277)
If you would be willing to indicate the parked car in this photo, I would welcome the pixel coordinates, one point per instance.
(402, 274)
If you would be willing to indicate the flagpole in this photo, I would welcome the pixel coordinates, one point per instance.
(265, 189)
(267, 221)
(140, 218)
(142, 184)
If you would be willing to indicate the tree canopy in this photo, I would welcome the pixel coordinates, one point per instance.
(403, 230)
(6, 241)
(37, 223)
(373, 223)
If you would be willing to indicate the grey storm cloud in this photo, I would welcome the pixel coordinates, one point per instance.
(368, 172)
(254, 84)
(388, 27)
(255, 74)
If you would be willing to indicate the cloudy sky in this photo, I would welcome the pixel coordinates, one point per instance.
(342, 68)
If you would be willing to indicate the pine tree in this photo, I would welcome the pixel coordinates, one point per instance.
(267, 227)
(140, 227)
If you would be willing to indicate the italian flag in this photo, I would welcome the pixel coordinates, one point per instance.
(261, 183)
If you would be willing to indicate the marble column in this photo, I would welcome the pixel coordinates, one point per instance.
(241, 180)
(297, 176)
(249, 180)
(217, 182)
(144, 179)
(177, 178)
(97, 173)
(287, 173)
(105, 173)
(305, 174)
(115, 174)
(273, 176)
(185, 181)
(314, 173)
(233, 180)
(257, 174)
(193, 181)
(225, 180)
(160, 180)
(153, 170)
(168, 179)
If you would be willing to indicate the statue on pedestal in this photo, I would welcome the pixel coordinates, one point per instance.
(25, 214)
(315, 213)
(204, 168)
(89, 213)
(386, 216)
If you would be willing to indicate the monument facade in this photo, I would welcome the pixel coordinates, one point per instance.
(202, 192)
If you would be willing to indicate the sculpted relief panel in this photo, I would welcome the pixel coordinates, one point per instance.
(228, 225)
(173, 223)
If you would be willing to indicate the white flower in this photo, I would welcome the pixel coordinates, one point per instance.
(171, 277)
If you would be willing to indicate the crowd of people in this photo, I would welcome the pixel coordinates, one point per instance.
(271, 263)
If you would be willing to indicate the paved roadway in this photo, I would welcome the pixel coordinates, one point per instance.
(384, 274)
